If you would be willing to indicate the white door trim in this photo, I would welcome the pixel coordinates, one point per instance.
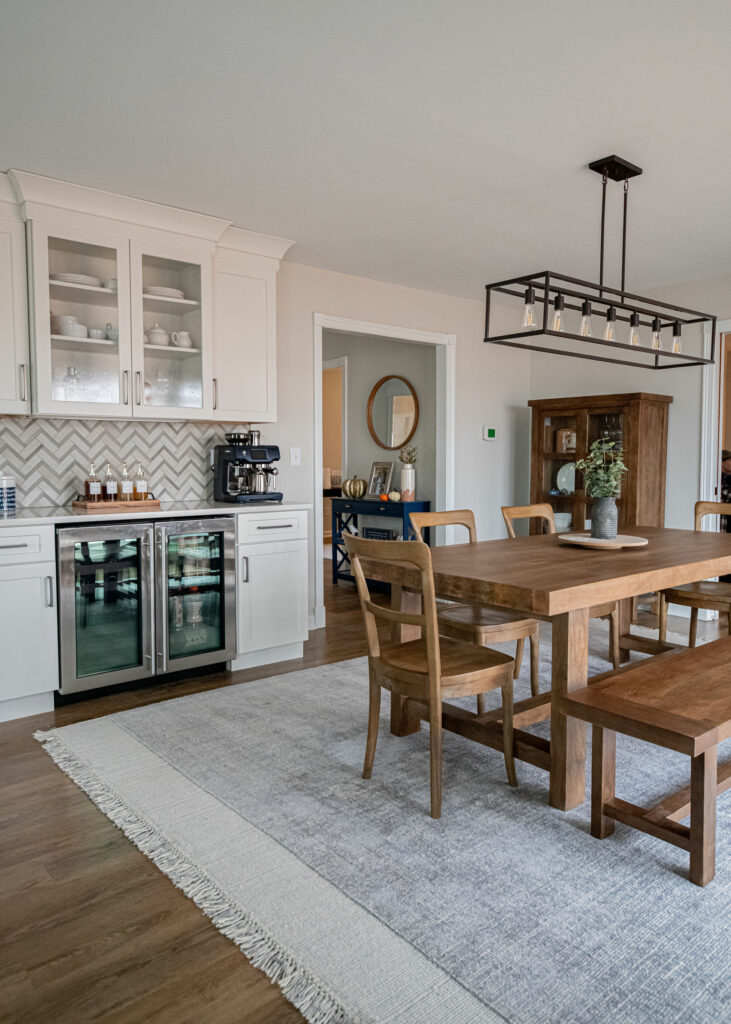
(446, 400)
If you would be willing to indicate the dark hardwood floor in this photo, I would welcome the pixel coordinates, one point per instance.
(90, 929)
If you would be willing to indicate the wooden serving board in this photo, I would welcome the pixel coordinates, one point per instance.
(585, 540)
(103, 507)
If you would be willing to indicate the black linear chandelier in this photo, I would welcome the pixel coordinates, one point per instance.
(633, 330)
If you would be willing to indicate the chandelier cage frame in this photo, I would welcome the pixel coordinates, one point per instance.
(549, 288)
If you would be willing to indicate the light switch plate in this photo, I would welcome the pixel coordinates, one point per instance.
(489, 433)
(295, 456)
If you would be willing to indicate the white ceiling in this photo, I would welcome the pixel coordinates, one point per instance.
(433, 143)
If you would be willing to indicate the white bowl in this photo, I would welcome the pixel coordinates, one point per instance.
(98, 333)
(76, 331)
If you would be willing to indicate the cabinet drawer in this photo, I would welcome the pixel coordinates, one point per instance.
(268, 526)
(20, 544)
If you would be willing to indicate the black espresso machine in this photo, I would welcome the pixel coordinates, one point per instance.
(243, 469)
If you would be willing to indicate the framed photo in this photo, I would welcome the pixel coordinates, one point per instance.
(379, 482)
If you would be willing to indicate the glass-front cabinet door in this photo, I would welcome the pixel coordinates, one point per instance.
(80, 308)
(106, 611)
(196, 614)
(171, 315)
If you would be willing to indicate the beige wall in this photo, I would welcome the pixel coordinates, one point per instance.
(332, 418)
(491, 384)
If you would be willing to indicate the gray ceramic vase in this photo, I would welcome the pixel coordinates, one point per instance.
(604, 519)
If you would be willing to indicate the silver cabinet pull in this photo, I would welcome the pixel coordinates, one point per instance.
(244, 569)
(24, 382)
(138, 378)
(7, 547)
(277, 526)
(49, 581)
(215, 392)
(125, 387)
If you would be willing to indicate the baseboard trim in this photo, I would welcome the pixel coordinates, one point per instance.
(253, 659)
(23, 707)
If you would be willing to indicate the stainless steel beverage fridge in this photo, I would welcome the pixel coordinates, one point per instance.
(141, 599)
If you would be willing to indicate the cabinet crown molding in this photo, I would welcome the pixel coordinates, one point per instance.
(253, 243)
(42, 196)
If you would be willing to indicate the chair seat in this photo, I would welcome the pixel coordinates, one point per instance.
(704, 594)
(465, 621)
(465, 668)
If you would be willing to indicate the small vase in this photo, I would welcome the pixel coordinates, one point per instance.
(604, 519)
(408, 483)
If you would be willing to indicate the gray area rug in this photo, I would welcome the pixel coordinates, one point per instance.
(505, 909)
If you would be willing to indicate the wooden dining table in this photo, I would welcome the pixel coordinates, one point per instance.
(550, 580)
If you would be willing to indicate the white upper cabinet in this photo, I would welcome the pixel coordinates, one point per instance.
(15, 379)
(137, 310)
(244, 339)
(80, 311)
(171, 333)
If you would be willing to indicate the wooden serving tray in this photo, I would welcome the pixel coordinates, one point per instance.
(585, 540)
(101, 507)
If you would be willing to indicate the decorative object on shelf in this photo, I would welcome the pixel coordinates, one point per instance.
(111, 284)
(603, 469)
(181, 339)
(165, 293)
(379, 481)
(559, 295)
(354, 488)
(157, 335)
(407, 458)
(112, 333)
(392, 413)
(566, 478)
(85, 279)
(377, 533)
(565, 441)
(98, 333)
(394, 496)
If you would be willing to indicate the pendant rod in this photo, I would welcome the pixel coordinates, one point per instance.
(624, 231)
(601, 242)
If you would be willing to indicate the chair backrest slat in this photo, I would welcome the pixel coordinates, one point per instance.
(459, 517)
(513, 513)
(710, 508)
(406, 552)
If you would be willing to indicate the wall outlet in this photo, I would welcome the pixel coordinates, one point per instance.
(489, 433)
(295, 456)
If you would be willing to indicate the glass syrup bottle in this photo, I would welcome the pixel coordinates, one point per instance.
(110, 487)
(140, 484)
(126, 487)
(92, 485)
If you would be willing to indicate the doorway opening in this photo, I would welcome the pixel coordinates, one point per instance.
(334, 439)
(371, 334)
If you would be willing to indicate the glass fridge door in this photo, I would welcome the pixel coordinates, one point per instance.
(105, 605)
(196, 596)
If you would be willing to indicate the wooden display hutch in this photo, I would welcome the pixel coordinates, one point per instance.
(564, 428)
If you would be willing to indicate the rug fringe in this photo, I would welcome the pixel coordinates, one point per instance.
(315, 1002)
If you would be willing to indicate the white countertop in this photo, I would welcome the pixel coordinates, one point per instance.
(168, 510)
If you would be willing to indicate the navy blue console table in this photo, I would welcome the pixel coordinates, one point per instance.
(345, 512)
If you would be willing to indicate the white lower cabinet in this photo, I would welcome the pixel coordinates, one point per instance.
(272, 600)
(28, 638)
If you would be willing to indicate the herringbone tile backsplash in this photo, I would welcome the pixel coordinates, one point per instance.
(50, 458)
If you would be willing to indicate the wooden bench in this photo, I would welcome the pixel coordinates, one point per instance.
(681, 701)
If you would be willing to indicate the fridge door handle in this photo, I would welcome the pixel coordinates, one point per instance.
(161, 599)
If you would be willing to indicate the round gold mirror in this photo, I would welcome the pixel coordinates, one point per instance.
(393, 412)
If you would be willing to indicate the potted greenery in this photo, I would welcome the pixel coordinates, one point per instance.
(407, 457)
(603, 469)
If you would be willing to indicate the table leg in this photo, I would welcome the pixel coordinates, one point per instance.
(625, 621)
(703, 774)
(570, 657)
(403, 723)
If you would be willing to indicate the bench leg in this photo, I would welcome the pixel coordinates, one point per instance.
(603, 770)
(703, 775)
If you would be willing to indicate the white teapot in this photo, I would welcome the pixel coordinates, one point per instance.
(181, 339)
(157, 335)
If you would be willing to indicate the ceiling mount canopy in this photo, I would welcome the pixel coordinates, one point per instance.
(629, 329)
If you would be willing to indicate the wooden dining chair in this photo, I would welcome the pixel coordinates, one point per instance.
(427, 670)
(610, 610)
(709, 594)
(479, 624)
